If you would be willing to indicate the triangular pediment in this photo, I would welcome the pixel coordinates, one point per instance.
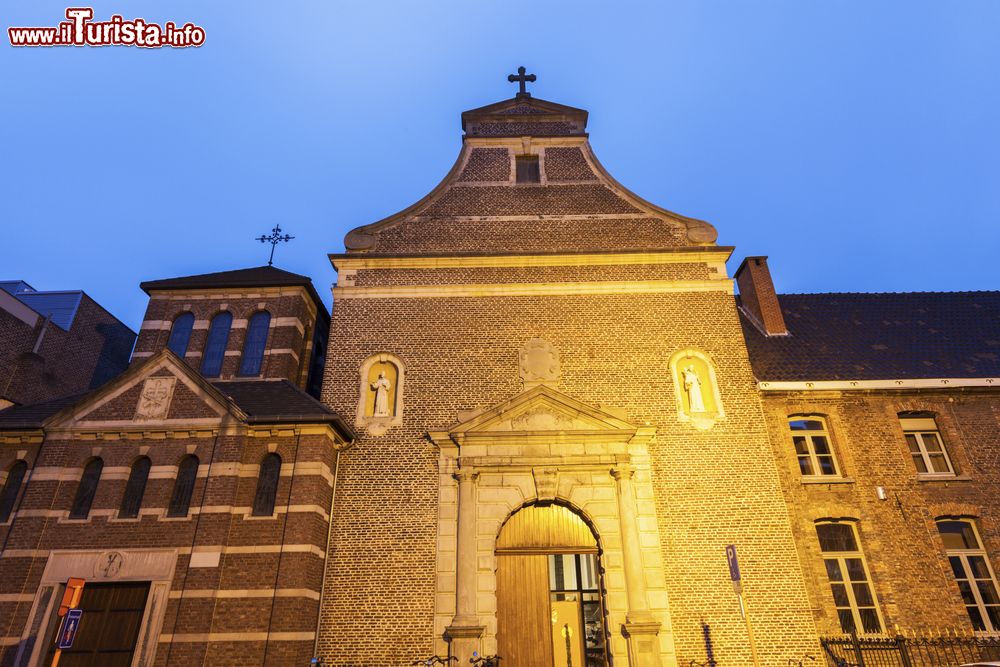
(163, 390)
(539, 410)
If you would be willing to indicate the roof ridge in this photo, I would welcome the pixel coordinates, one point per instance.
(888, 293)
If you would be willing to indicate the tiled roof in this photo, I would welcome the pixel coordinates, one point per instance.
(264, 401)
(881, 337)
(60, 306)
(34, 415)
(275, 400)
(259, 276)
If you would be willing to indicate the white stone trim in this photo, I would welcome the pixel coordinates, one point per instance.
(555, 259)
(246, 593)
(197, 638)
(534, 289)
(852, 385)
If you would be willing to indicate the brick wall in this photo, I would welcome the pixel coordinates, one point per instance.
(259, 604)
(94, 350)
(289, 342)
(911, 575)
(711, 488)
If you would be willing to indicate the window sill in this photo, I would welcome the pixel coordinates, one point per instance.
(827, 480)
(944, 478)
(175, 519)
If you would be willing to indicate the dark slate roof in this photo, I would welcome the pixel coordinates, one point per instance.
(259, 276)
(276, 401)
(32, 416)
(12, 287)
(60, 306)
(264, 401)
(880, 337)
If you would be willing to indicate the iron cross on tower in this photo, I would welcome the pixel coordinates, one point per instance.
(274, 239)
(521, 78)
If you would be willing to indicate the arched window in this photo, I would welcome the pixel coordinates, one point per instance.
(267, 485)
(972, 570)
(180, 334)
(850, 582)
(811, 439)
(926, 446)
(180, 499)
(11, 488)
(87, 489)
(135, 488)
(215, 346)
(253, 346)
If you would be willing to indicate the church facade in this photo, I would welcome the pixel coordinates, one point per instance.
(546, 429)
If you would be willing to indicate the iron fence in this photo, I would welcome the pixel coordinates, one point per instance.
(904, 651)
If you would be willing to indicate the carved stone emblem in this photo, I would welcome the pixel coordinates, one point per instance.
(109, 564)
(540, 419)
(539, 362)
(154, 401)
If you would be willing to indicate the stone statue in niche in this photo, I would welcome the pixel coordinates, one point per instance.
(692, 385)
(699, 402)
(381, 387)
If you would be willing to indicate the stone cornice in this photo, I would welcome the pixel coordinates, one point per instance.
(867, 385)
(534, 289)
(689, 255)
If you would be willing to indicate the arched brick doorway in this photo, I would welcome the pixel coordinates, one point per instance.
(550, 607)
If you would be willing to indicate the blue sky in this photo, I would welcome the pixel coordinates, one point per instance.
(854, 142)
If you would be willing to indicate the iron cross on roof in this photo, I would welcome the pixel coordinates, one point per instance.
(274, 239)
(521, 78)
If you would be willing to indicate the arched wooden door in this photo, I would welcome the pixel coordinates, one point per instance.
(549, 607)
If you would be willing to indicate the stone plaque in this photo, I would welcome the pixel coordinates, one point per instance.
(154, 401)
(539, 362)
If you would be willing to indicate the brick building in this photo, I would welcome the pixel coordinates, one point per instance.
(192, 492)
(54, 343)
(572, 434)
(557, 416)
(883, 413)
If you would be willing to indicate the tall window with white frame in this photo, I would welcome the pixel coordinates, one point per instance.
(925, 443)
(850, 582)
(969, 563)
(812, 446)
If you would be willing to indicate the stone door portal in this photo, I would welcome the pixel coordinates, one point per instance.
(550, 610)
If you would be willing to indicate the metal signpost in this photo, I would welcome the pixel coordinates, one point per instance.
(70, 617)
(737, 579)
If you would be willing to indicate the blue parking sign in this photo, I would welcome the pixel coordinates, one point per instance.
(71, 625)
(734, 565)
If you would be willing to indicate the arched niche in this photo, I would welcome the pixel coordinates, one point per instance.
(380, 393)
(696, 388)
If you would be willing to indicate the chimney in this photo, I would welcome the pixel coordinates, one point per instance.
(757, 296)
